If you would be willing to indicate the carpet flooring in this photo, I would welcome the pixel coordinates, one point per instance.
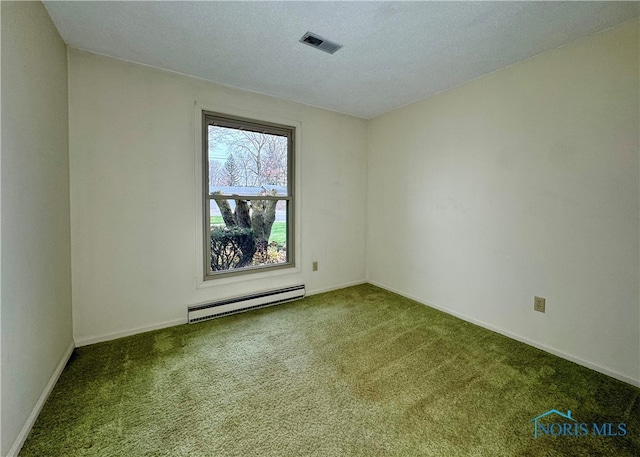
(355, 372)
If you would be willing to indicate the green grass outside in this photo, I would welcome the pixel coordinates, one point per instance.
(278, 230)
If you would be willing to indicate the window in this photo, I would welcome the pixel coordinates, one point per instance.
(248, 195)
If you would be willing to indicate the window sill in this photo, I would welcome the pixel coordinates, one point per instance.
(213, 282)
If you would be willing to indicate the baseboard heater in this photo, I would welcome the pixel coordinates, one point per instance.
(198, 313)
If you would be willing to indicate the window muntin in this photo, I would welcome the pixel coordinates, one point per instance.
(248, 195)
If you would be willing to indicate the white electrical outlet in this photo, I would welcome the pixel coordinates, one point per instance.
(539, 304)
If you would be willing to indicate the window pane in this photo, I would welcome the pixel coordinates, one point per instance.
(247, 233)
(249, 189)
(246, 162)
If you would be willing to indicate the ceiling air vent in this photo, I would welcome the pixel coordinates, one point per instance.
(319, 43)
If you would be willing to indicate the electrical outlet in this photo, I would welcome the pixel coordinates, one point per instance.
(315, 266)
(539, 304)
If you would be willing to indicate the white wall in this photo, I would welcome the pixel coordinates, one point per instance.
(36, 272)
(133, 202)
(524, 182)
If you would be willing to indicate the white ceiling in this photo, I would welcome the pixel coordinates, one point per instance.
(394, 53)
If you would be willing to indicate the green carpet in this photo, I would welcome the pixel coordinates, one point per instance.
(355, 372)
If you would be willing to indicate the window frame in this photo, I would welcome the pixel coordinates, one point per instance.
(242, 123)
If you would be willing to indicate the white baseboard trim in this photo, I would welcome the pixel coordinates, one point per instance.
(513, 336)
(86, 340)
(341, 286)
(22, 436)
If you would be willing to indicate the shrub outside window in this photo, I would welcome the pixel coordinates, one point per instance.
(248, 195)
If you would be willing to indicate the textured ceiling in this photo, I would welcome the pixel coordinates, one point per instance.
(394, 53)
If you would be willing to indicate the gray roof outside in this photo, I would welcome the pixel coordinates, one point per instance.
(247, 190)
